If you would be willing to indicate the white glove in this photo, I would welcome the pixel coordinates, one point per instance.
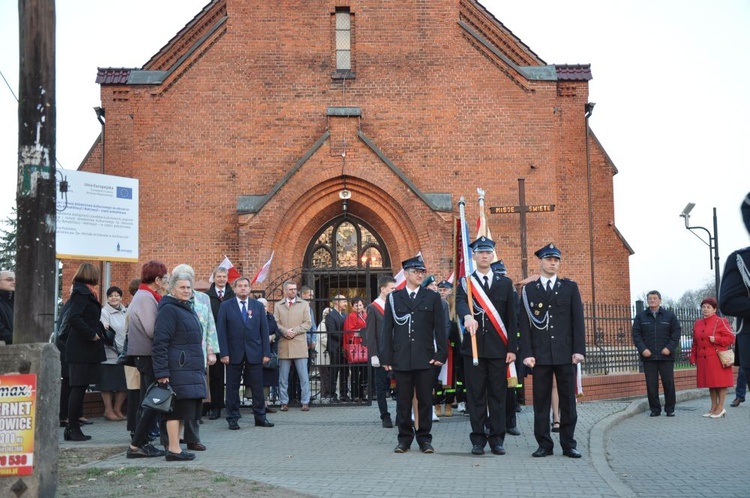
(375, 361)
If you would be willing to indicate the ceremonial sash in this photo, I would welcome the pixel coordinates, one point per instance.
(379, 305)
(483, 300)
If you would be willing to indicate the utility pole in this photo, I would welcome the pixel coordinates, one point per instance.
(35, 197)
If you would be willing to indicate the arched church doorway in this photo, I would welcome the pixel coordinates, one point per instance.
(346, 256)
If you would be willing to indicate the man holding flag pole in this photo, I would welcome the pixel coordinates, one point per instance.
(489, 317)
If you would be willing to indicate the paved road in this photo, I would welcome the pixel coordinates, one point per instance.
(344, 451)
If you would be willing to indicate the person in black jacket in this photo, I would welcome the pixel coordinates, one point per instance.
(178, 359)
(7, 290)
(335, 329)
(553, 342)
(492, 321)
(734, 297)
(656, 334)
(218, 292)
(84, 349)
(413, 344)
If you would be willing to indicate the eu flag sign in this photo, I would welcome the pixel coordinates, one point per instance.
(124, 193)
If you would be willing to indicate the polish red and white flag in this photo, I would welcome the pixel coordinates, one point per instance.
(263, 272)
(232, 273)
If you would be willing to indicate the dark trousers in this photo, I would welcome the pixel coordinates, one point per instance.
(216, 384)
(510, 408)
(565, 376)
(75, 406)
(253, 376)
(653, 370)
(486, 390)
(148, 416)
(407, 381)
(134, 398)
(357, 381)
(339, 370)
(382, 384)
(64, 396)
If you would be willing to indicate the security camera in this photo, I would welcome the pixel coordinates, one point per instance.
(345, 194)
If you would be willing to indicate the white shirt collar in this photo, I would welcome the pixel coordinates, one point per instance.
(544, 280)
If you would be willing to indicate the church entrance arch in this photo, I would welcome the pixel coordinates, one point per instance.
(345, 256)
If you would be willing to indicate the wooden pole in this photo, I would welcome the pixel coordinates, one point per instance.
(35, 196)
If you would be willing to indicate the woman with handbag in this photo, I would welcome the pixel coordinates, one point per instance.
(113, 387)
(271, 369)
(712, 334)
(84, 349)
(354, 346)
(178, 359)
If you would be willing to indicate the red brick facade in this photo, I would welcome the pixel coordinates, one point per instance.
(245, 101)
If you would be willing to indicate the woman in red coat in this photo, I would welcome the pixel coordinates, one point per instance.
(356, 321)
(712, 333)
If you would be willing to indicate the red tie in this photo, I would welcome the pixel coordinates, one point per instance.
(221, 294)
(291, 303)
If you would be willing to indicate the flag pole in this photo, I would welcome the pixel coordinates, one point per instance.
(467, 275)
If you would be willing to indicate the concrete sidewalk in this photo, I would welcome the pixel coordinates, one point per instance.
(344, 451)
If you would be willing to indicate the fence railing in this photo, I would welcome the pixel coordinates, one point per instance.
(609, 341)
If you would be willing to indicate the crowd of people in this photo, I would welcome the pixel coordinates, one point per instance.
(471, 351)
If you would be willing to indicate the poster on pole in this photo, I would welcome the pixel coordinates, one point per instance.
(17, 412)
(97, 219)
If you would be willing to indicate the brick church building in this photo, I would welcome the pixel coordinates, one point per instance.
(340, 135)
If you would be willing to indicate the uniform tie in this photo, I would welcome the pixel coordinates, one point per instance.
(486, 284)
(244, 311)
(549, 287)
(412, 295)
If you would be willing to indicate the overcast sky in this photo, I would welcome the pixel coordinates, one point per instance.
(669, 85)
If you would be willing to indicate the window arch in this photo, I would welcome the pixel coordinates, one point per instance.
(346, 243)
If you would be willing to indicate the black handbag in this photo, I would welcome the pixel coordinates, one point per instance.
(123, 358)
(273, 362)
(159, 397)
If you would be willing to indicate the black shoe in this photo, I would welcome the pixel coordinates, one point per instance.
(215, 414)
(181, 456)
(655, 414)
(555, 427)
(670, 414)
(261, 423)
(477, 449)
(233, 425)
(733, 404)
(426, 448)
(388, 422)
(145, 451)
(513, 431)
(498, 450)
(196, 446)
(519, 409)
(542, 452)
(572, 453)
(75, 435)
(401, 448)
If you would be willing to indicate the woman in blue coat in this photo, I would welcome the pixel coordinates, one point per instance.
(177, 358)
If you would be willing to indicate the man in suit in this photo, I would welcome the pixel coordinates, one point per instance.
(293, 318)
(553, 342)
(218, 293)
(413, 344)
(374, 320)
(335, 328)
(243, 341)
(491, 319)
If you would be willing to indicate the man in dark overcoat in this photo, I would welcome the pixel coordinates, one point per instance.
(219, 292)
(413, 344)
(553, 342)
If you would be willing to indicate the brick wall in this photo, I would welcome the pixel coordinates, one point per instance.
(243, 108)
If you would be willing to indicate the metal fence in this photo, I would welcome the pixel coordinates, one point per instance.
(609, 341)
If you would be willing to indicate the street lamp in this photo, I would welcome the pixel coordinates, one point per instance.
(713, 241)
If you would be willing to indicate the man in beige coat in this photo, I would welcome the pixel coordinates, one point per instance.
(293, 317)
